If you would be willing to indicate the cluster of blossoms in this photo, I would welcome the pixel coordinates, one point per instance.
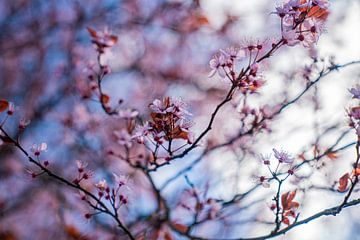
(96, 72)
(226, 63)
(354, 117)
(354, 113)
(169, 121)
(282, 157)
(257, 119)
(113, 194)
(83, 173)
(302, 21)
(196, 202)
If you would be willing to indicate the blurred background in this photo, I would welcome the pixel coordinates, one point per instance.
(163, 50)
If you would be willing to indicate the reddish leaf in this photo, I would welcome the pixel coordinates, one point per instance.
(105, 99)
(356, 171)
(286, 201)
(343, 182)
(180, 227)
(3, 105)
(92, 32)
(332, 155)
(167, 236)
(202, 20)
(114, 38)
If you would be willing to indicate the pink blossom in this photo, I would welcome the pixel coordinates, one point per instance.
(217, 64)
(180, 107)
(11, 108)
(233, 54)
(128, 114)
(122, 180)
(263, 181)
(159, 106)
(355, 91)
(141, 131)
(355, 113)
(123, 138)
(81, 165)
(23, 123)
(37, 149)
(283, 156)
(282, 11)
(265, 159)
(102, 185)
(291, 38)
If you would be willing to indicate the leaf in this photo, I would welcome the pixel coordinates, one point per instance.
(114, 38)
(180, 227)
(287, 200)
(317, 12)
(167, 236)
(3, 105)
(332, 155)
(105, 99)
(343, 182)
(92, 32)
(356, 171)
(72, 231)
(202, 20)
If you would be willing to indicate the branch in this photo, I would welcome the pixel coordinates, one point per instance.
(103, 208)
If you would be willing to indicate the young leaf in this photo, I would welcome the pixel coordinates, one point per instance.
(3, 105)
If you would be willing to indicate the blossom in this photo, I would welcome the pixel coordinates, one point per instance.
(233, 54)
(180, 107)
(283, 156)
(141, 131)
(37, 149)
(265, 159)
(159, 106)
(169, 119)
(124, 138)
(81, 165)
(217, 64)
(263, 181)
(11, 108)
(128, 114)
(122, 180)
(355, 113)
(23, 123)
(290, 37)
(102, 185)
(282, 11)
(355, 91)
